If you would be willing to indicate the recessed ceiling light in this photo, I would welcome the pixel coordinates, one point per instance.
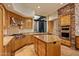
(38, 7)
(8, 5)
(61, 3)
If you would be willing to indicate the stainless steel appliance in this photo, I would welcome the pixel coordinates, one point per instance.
(65, 32)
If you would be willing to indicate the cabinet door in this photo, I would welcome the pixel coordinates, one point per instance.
(17, 44)
(65, 20)
(41, 51)
(41, 48)
(28, 23)
(77, 42)
(54, 49)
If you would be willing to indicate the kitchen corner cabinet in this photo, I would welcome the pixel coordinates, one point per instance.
(47, 49)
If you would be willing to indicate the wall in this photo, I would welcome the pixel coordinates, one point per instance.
(54, 19)
(55, 27)
(53, 16)
(77, 19)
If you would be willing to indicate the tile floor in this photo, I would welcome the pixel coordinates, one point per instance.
(29, 51)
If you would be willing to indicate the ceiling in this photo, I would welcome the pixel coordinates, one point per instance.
(44, 9)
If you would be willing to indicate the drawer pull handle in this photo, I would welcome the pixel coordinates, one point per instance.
(54, 42)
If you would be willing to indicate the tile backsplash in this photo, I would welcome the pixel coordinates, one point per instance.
(15, 30)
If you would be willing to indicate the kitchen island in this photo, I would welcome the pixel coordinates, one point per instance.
(44, 44)
(47, 45)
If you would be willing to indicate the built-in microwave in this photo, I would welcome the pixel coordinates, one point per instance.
(65, 32)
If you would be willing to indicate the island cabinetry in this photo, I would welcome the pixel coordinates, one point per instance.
(53, 49)
(41, 48)
(46, 48)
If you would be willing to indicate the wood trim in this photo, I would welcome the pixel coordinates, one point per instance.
(1, 30)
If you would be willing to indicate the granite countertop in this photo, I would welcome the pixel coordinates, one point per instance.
(7, 39)
(48, 38)
(37, 33)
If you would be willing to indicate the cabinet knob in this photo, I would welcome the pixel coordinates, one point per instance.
(54, 42)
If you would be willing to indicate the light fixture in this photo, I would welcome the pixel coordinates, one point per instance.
(8, 5)
(38, 7)
(61, 3)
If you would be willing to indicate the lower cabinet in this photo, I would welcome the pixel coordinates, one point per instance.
(16, 44)
(77, 42)
(41, 46)
(47, 49)
(9, 48)
(66, 42)
(20, 42)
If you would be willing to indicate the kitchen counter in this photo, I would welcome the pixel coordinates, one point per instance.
(7, 39)
(36, 33)
(48, 38)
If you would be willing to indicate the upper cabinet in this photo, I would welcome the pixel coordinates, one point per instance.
(65, 20)
(28, 23)
(22, 22)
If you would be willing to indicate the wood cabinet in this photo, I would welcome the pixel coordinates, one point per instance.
(16, 44)
(23, 41)
(54, 49)
(65, 20)
(47, 49)
(9, 48)
(77, 42)
(28, 23)
(66, 42)
(41, 48)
